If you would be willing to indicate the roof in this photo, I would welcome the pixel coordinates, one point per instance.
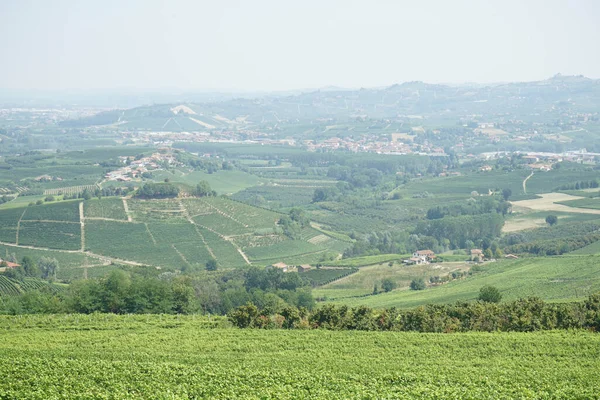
(279, 265)
(10, 264)
(425, 252)
(476, 251)
(305, 266)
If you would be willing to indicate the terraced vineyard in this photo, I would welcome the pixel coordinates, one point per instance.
(138, 357)
(172, 233)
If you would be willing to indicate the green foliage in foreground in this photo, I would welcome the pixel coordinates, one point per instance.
(523, 315)
(169, 357)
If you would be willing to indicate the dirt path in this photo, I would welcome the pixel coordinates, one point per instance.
(19, 226)
(106, 219)
(126, 207)
(525, 183)
(150, 233)
(228, 239)
(191, 221)
(181, 255)
(90, 254)
(81, 221)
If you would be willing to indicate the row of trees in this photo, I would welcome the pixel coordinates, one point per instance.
(148, 291)
(523, 315)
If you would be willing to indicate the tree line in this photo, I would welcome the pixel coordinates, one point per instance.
(523, 315)
(143, 291)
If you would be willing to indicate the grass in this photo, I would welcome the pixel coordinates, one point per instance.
(140, 357)
(223, 181)
(590, 203)
(363, 282)
(562, 278)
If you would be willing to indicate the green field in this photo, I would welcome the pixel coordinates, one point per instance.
(561, 278)
(105, 208)
(222, 181)
(173, 357)
(592, 203)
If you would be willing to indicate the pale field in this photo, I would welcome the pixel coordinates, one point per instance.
(399, 137)
(204, 124)
(185, 109)
(548, 203)
(493, 131)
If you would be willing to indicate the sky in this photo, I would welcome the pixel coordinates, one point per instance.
(273, 45)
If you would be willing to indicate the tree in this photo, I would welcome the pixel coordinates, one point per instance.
(489, 294)
(48, 267)
(29, 267)
(487, 253)
(388, 285)
(203, 189)
(375, 289)
(506, 193)
(211, 265)
(551, 220)
(417, 284)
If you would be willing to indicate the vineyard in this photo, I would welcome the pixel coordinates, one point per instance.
(88, 356)
(172, 233)
(12, 287)
(71, 190)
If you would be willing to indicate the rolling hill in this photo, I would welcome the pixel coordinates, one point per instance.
(168, 233)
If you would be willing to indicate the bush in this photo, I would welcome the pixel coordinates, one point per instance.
(388, 285)
(417, 284)
(489, 294)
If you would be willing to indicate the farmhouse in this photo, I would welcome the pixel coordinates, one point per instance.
(421, 257)
(476, 255)
(281, 266)
(303, 268)
(415, 261)
(8, 264)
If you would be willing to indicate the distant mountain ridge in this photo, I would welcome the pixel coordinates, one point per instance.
(392, 102)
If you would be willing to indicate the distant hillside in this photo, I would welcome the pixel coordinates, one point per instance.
(168, 233)
(406, 100)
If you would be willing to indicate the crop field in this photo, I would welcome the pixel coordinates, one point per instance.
(70, 190)
(105, 208)
(160, 234)
(141, 357)
(480, 182)
(282, 249)
(9, 219)
(590, 203)
(61, 211)
(222, 181)
(363, 282)
(128, 241)
(225, 253)
(552, 202)
(54, 235)
(555, 279)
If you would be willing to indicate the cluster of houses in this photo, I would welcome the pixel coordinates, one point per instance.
(370, 145)
(136, 168)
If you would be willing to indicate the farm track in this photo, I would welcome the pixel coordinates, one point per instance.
(191, 221)
(150, 233)
(525, 183)
(107, 219)
(82, 222)
(227, 239)
(180, 255)
(87, 253)
(126, 207)
(225, 214)
(19, 226)
(50, 220)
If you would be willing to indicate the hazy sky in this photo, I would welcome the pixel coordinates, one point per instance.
(280, 44)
